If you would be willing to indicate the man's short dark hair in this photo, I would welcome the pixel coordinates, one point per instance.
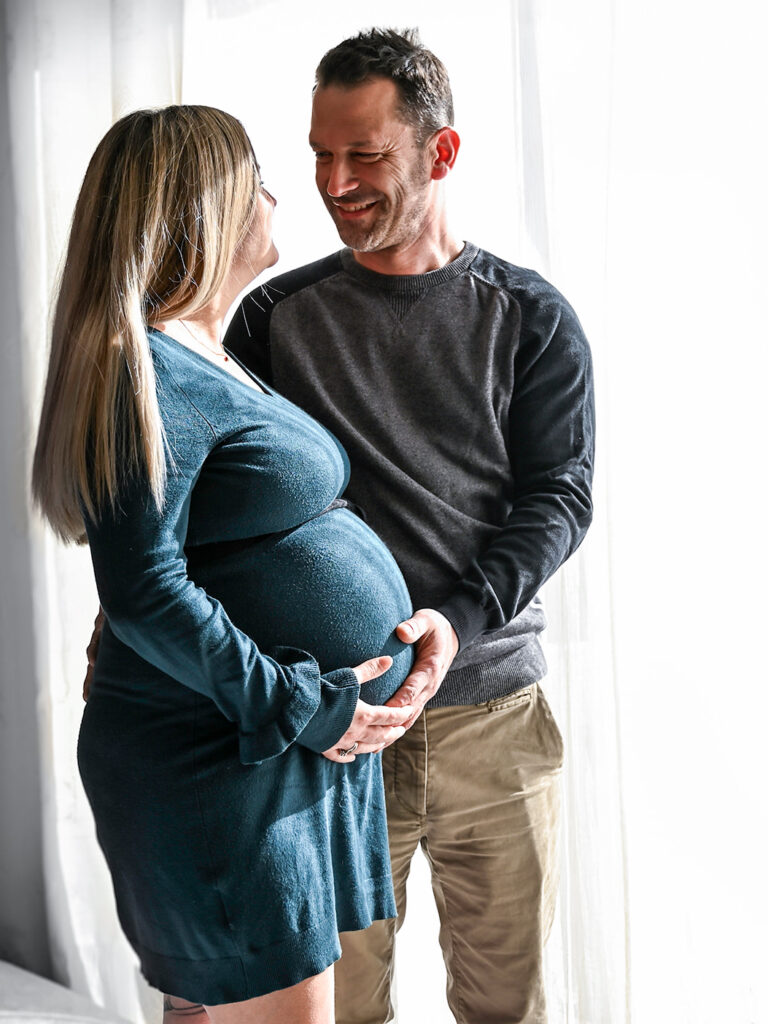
(421, 79)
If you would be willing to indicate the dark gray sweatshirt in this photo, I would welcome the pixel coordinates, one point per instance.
(464, 399)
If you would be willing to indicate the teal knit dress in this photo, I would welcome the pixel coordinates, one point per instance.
(237, 852)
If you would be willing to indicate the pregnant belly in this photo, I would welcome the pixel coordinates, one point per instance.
(330, 587)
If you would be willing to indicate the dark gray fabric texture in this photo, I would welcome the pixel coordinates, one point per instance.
(464, 400)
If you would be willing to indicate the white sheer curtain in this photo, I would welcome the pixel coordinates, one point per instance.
(616, 147)
(72, 69)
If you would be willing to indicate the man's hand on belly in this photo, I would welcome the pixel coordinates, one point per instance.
(436, 647)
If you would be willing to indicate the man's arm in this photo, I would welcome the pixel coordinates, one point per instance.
(551, 442)
(551, 430)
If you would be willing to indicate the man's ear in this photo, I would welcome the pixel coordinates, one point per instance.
(446, 147)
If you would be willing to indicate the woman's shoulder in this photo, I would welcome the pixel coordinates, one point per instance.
(180, 392)
(192, 387)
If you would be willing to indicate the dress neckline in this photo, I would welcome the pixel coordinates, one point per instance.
(263, 388)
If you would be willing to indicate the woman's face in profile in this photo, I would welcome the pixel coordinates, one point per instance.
(257, 250)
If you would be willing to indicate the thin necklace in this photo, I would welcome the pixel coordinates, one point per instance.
(220, 353)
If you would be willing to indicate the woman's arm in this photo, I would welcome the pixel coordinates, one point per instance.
(153, 607)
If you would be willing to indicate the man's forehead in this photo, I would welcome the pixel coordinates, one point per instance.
(359, 113)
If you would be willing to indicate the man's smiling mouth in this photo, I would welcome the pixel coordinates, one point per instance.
(351, 209)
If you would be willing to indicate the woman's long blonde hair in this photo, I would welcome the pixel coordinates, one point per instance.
(167, 199)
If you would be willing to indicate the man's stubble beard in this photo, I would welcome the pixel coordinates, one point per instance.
(387, 231)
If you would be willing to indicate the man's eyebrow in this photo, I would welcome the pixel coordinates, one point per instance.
(360, 144)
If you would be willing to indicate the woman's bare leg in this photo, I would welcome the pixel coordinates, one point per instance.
(309, 1002)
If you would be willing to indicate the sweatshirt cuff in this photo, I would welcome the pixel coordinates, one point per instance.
(339, 694)
(467, 617)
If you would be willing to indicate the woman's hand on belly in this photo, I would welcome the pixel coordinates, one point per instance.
(372, 728)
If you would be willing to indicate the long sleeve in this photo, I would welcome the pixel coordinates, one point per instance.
(154, 608)
(551, 431)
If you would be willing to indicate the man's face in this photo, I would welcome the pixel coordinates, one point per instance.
(373, 176)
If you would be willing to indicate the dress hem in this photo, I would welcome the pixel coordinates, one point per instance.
(258, 971)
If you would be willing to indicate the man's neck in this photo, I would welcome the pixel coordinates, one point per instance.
(430, 251)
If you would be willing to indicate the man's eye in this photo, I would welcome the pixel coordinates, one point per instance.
(366, 157)
(322, 157)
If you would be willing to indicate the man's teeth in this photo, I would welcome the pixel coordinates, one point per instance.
(354, 209)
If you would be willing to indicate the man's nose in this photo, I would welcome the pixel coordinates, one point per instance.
(341, 179)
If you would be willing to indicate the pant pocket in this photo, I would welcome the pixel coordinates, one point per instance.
(549, 729)
(511, 700)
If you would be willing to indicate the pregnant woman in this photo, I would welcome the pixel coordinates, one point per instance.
(225, 751)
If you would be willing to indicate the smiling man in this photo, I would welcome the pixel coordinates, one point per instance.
(376, 187)
(461, 387)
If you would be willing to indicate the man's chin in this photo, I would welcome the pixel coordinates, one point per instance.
(353, 235)
(356, 238)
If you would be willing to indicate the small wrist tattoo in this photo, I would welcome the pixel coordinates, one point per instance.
(181, 1008)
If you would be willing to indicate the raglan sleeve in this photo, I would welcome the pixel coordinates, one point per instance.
(154, 608)
(551, 452)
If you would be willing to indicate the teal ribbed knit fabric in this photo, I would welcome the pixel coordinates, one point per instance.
(235, 613)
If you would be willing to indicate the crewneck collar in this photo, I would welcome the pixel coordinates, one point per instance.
(409, 284)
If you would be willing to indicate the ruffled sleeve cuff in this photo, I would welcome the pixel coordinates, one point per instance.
(340, 692)
(316, 713)
(263, 736)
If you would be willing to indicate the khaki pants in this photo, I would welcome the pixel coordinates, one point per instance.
(478, 787)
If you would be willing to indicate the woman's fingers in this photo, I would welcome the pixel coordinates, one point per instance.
(372, 729)
(337, 753)
(372, 669)
(372, 724)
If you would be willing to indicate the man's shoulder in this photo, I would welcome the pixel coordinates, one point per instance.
(544, 312)
(296, 280)
(248, 333)
(543, 308)
(521, 282)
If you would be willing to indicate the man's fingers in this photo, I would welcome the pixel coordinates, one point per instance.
(408, 693)
(436, 649)
(87, 682)
(91, 652)
(420, 684)
(412, 629)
